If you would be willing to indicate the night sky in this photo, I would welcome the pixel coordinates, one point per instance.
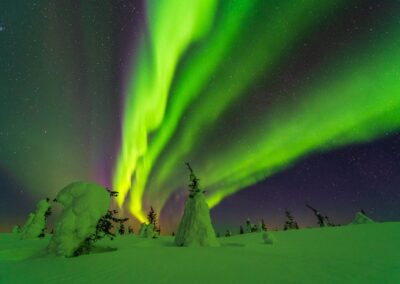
(274, 104)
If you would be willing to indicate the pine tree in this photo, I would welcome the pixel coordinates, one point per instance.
(103, 229)
(195, 227)
(322, 220)
(263, 226)
(248, 226)
(290, 222)
(152, 217)
(121, 229)
(241, 231)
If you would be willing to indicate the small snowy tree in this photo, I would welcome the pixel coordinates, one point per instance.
(84, 207)
(16, 229)
(362, 218)
(195, 228)
(263, 226)
(151, 225)
(152, 217)
(254, 228)
(322, 220)
(36, 223)
(290, 223)
(248, 226)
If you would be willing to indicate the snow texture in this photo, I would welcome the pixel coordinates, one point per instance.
(84, 204)
(196, 228)
(36, 222)
(333, 255)
(361, 219)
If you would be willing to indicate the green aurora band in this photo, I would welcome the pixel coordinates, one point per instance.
(200, 70)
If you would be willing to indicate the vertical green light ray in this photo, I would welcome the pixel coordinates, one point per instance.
(173, 26)
(194, 76)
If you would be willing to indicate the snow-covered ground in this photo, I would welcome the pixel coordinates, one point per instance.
(367, 253)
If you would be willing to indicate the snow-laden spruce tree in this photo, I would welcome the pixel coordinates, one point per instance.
(195, 228)
(36, 223)
(290, 223)
(84, 205)
(248, 226)
(149, 229)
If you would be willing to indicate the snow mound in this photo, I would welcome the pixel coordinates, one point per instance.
(269, 238)
(36, 222)
(84, 204)
(361, 219)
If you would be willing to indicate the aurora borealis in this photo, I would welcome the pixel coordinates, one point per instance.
(124, 92)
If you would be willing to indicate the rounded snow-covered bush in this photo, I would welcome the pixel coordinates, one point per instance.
(84, 204)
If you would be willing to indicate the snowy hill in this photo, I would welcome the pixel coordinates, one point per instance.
(367, 253)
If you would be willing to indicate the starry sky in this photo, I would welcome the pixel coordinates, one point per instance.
(274, 103)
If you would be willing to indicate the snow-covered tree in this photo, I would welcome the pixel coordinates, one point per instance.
(290, 223)
(322, 220)
(16, 229)
(195, 228)
(248, 226)
(84, 205)
(254, 228)
(36, 223)
(263, 226)
(152, 217)
(362, 218)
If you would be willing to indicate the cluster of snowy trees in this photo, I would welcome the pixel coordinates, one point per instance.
(86, 219)
(249, 227)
